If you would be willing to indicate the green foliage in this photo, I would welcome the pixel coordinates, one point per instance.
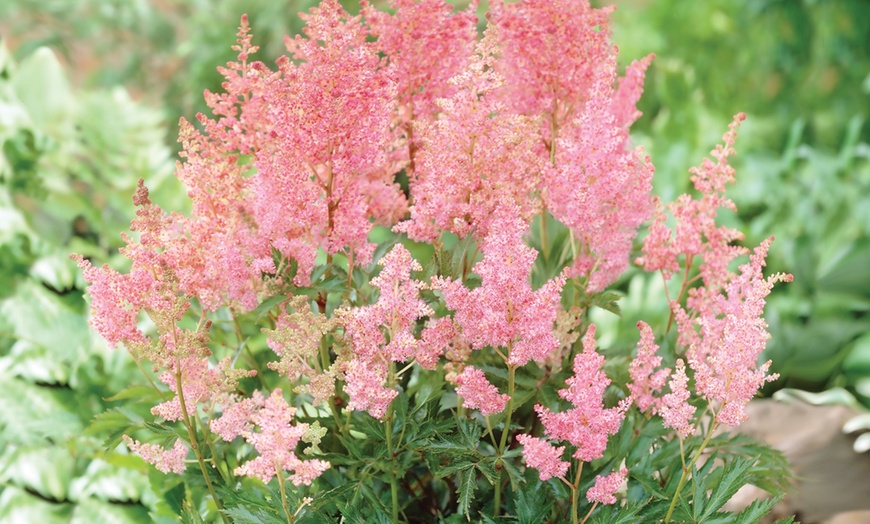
(69, 162)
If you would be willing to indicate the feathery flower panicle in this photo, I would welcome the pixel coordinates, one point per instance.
(589, 424)
(200, 382)
(426, 44)
(171, 460)
(474, 157)
(547, 459)
(696, 232)
(316, 183)
(364, 386)
(504, 311)
(237, 415)
(674, 407)
(296, 339)
(730, 340)
(383, 332)
(477, 393)
(600, 186)
(275, 442)
(605, 488)
(646, 381)
(552, 50)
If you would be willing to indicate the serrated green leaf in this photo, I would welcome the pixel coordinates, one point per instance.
(465, 489)
(733, 478)
(531, 506)
(268, 304)
(756, 511)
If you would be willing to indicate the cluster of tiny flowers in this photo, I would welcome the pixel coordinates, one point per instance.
(589, 424)
(605, 488)
(732, 336)
(504, 311)
(477, 393)
(674, 407)
(544, 457)
(275, 441)
(296, 339)
(164, 460)
(646, 380)
(394, 314)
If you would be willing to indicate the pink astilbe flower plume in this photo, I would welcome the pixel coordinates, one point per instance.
(318, 182)
(473, 157)
(477, 393)
(272, 433)
(383, 333)
(426, 44)
(560, 67)
(674, 407)
(696, 232)
(646, 380)
(605, 488)
(296, 339)
(504, 311)
(171, 460)
(732, 334)
(542, 456)
(600, 187)
(588, 425)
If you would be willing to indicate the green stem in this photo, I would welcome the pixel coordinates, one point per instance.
(575, 489)
(194, 444)
(590, 513)
(388, 423)
(325, 363)
(290, 516)
(512, 369)
(687, 468)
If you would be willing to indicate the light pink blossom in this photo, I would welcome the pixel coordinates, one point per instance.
(605, 488)
(164, 460)
(275, 441)
(477, 392)
(646, 381)
(588, 425)
(505, 311)
(674, 407)
(543, 457)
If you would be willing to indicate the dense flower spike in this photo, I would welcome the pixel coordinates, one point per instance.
(605, 488)
(164, 460)
(560, 67)
(504, 311)
(600, 187)
(473, 158)
(732, 336)
(296, 339)
(646, 381)
(383, 333)
(327, 171)
(674, 407)
(543, 457)
(477, 393)
(696, 232)
(275, 441)
(588, 425)
(427, 44)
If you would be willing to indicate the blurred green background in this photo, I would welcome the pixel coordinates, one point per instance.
(90, 95)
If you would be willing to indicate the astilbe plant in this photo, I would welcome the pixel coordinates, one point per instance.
(354, 303)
